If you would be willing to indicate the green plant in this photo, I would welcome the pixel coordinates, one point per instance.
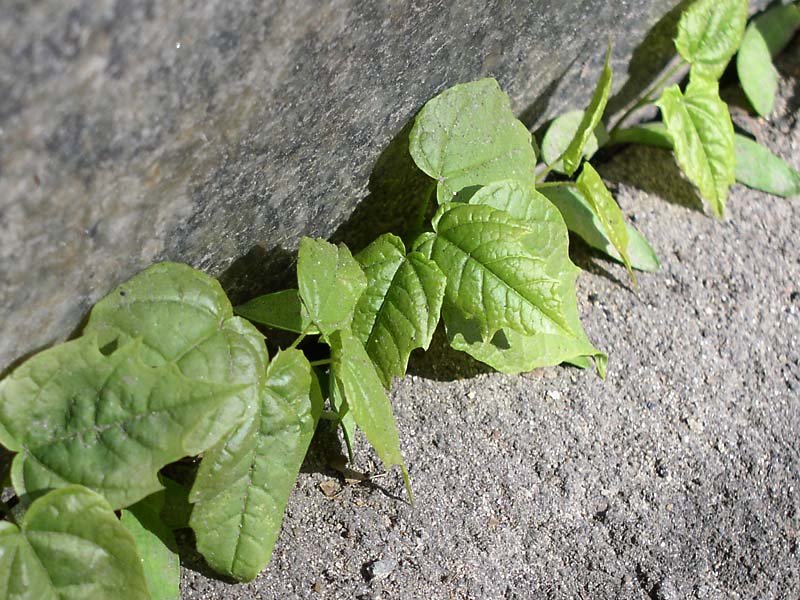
(167, 369)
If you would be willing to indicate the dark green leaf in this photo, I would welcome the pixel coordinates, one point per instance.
(330, 283)
(400, 308)
(467, 136)
(176, 510)
(281, 310)
(563, 130)
(70, 545)
(709, 33)
(244, 482)
(591, 118)
(758, 168)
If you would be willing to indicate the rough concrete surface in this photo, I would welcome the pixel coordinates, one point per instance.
(678, 477)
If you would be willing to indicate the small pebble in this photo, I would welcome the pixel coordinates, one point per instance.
(381, 569)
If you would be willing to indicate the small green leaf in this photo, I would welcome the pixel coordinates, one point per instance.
(244, 482)
(281, 310)
(709, 33)
(330, 283)
(106, 422)
(766, 35)
(603, 205)
(563, 130)
(366, 399)
(400, 308)
(702, 133)
(467, 136)
(156, 547)
(758, 168)
(70, 545)
(582, 220)
(591, 118)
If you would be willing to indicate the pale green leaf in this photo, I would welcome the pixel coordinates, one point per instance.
(766, 35)
(562, 131)
(109, 423)
(702, 133)
(244, 482)
(183, 317)
(400, 308)
(330, 283)
(709, 33)
(366, 399)
(467, 137)
(603, 205)
(156, 546)
(69, 546)
(281, 310)
(582, 220)
(758, 168)
(591, 118)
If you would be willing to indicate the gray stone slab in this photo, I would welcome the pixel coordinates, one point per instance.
(134, 131)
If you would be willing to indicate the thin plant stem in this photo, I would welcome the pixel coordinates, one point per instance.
(321, 363)
(650, 95)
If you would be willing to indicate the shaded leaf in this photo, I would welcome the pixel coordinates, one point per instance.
(604, 206)
(591, 118)
(563, 130)
(709, 33)
(649, 134)
(346, 420)
(244, 482)
(75, 415)
(400, 308)
(176, 507)
(69, 545)
(702, 133)
(330, 283)
(582, 220)
(758, 168)
(281, 310)
(467, 136)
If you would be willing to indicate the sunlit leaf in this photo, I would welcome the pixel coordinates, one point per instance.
(759, 168)
(709, 33)
(562, 131)
(281, 310)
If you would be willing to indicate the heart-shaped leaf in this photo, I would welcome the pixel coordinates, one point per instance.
(467, 137)
(70, 545)
(709, 33)
(244, 482)
(400, 308)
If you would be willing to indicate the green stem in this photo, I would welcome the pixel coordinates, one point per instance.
(299, 339)
(419, 224)
(549, 184)
(329, 415)
(543, 175)
(649, 96)
(321, 363)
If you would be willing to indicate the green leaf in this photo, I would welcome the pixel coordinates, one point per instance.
(467, 136)
(244, 482)
(75, 415)
(604, 206)
(400, 308)
(582, 220)
(69, 545)
(183, 317)
(709, 33)
(507, 349)
(649, 134)
(281, 310)
(562, 131)
(366, 399)
(156, 546)
(591, 118)
(758, 168)
(766, 35)
(330, 283)
(702, 133)
(176, 510)
(346, 420)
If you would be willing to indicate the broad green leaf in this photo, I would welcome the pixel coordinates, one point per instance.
(109, 423)
(508, 350)
(467, 137)
(366, 399)
(591, 118)
(563, 130)
(702, 133)
(497, 268)
(766, 35)
(183, 317)
(156, 546)
(602, 203)
(69, 546)
(649, 134)
(758, 168)
(244, 482)
(281, 310)
(400, 308)
(709, 33)
(584, 222)
(330, 284)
